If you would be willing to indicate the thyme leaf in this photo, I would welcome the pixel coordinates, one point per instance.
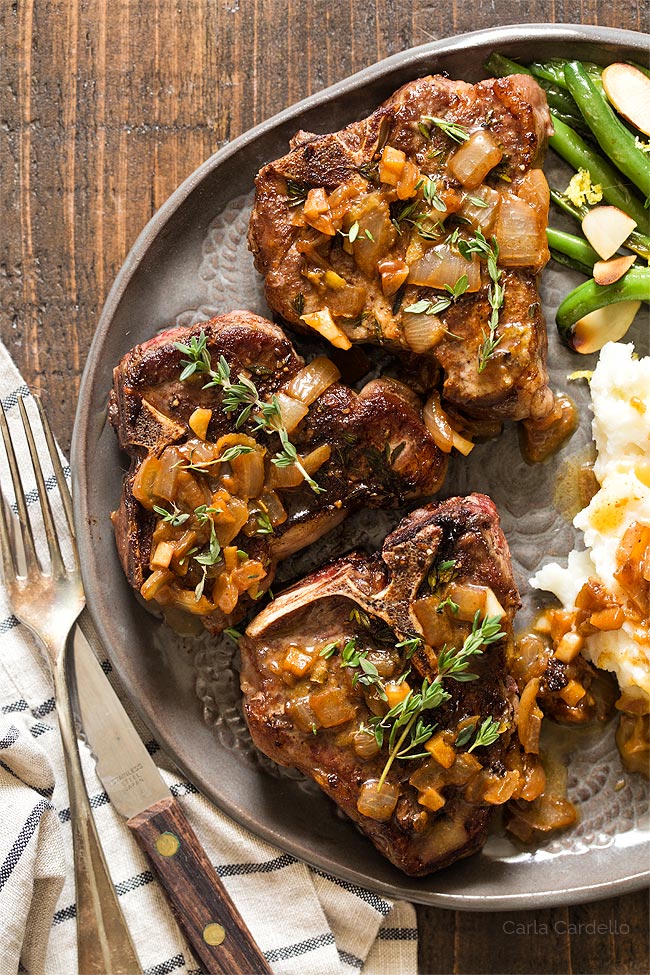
(455, 131)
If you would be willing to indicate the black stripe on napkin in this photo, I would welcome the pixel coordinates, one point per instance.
(350, 960)
(65, 914)
(139, 880)
(96, 801)
(31, 496)
(397, 934)
(8, 624)
(267, 866)
(45, 708)
(379, 904)
(164, 967)
(46, 793)
(11, 399)
(10, 738)
(300, 948)
(40, 728)
(15, 706)
(21, 841)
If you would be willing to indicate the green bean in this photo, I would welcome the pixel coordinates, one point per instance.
(576, 248)
(567, 261)
(588, 297)
(573, 148)
(553, 71)
(612, 136)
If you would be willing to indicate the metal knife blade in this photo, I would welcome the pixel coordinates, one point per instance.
(124, 765)
(213, 926)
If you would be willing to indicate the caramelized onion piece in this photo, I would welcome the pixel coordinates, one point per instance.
(312, 380)
(376, 803)
(442, 266)
(422, 332)
(530, 717)
(473, 161)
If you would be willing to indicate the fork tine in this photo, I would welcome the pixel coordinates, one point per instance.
(31, 561)
(58, 568)
(8, 565)
(64, 490)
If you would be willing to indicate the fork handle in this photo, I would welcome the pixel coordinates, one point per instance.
(103, 942)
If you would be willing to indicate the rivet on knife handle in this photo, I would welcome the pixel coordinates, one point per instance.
(213, 926)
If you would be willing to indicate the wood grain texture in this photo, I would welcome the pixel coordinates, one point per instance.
(105, 107)
(214, 928)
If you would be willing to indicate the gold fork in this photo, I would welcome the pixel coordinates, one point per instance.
(49, 602)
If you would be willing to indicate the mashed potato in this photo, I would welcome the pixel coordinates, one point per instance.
(620, 391)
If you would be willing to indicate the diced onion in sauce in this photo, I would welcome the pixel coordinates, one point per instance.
(394, 272)
(312, 380)
(292, 410)
(436, 422)
(315, 459)
(422, 332)
(469, 599)
(365, 744)
(520, 233)
(331, 706)
(473, 161)
(199, 422)
(316, 211)
(443, 265)
(391, 165)
(144, 481)
(376, 803)
(482, 213)
(530, 717)
(323, 323)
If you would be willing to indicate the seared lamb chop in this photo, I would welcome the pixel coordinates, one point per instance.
(384, 233)
(324, 662)
(205, 514)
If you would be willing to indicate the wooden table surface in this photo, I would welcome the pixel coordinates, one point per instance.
(105, 107)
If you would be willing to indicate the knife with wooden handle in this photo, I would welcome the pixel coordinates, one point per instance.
(213, 926)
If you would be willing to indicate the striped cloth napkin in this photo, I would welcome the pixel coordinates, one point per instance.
(330, 927)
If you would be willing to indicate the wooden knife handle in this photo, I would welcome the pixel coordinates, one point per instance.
(205, 912)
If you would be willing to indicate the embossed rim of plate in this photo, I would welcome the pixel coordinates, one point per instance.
(570, 885)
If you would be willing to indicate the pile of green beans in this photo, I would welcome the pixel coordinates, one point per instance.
(590, 135)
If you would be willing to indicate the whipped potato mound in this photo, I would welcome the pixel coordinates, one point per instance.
(616, 523)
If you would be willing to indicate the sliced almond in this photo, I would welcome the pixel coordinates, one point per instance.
(608, 324)
(607, 272)
(606, 228)
(628, 89)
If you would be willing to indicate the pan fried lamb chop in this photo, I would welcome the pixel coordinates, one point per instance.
(421, 228)
(241, 455)
(384, 678)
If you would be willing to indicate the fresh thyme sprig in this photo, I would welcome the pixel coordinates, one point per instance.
(210, 557)
(173, 518)
(425, 225)
(429, 189)
(452, 663)
(242, 396)
(487, 734)
(354, 232)
(425, 307)
(489, 252)
(353, 658)
(264, 525)
(455, 131)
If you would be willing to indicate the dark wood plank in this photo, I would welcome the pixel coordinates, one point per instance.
(104, 109)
